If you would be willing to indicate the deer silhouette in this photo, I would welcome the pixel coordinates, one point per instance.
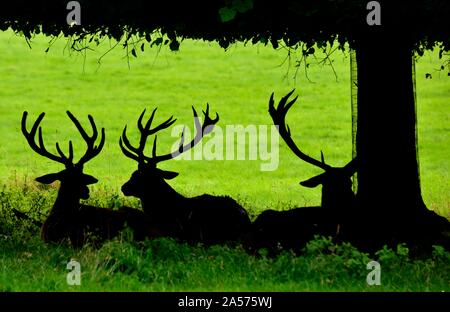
(206, 218)
(68, 219)
(294, 228)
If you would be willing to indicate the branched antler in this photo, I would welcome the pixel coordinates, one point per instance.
(278, 115)
(39, 148)
(91, 150)
(137, 153)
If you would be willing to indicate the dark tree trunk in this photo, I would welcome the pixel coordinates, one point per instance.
(390, 203)
(386, 145)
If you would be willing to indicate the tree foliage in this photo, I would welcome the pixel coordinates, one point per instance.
(423, 23)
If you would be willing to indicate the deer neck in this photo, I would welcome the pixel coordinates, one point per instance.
(337, 201)
(166, 195)
(66, 202)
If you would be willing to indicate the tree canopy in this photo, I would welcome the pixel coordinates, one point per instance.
(289, 22)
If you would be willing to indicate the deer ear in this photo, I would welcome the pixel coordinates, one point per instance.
(313, 182)
(169, 175)
(88, 179)
(48, 178)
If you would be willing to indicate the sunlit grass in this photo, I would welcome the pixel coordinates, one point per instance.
(237, 84)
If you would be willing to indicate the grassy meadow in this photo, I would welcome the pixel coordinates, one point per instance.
(237, 84)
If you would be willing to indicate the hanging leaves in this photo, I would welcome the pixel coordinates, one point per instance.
(157, 42)
(174, 45)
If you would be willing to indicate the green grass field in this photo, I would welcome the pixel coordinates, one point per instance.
(237, 84)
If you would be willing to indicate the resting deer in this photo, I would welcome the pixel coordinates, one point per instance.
(208, 219)
(294, 228)
(68, 219)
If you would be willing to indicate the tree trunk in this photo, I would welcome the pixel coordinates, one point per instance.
(386, 137)
(389, 196)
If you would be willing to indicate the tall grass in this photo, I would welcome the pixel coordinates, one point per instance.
(28, 264)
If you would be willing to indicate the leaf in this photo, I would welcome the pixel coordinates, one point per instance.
(274, 43)
(174, 45)
(157, 42)
(242, 6)
(227, 14)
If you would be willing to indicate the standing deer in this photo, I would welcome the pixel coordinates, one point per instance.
(294, 228)
(206, 218)
(68, 219)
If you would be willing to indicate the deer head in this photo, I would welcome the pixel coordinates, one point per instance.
(149, 180)
(336, 181)
(73, 181)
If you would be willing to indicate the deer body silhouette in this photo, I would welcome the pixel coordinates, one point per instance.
(68, 219)
(206, 218)
(294, 228)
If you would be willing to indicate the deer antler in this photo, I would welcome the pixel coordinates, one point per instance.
(40, 149)
(91, 150)
(279, 118)
(137, 153)
(200, 131)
